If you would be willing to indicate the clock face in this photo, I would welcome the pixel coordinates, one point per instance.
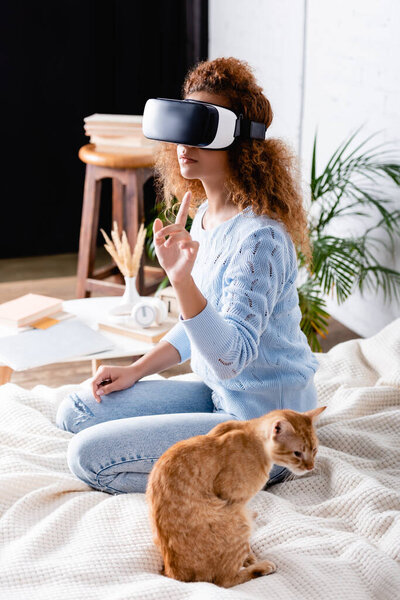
(144, 315)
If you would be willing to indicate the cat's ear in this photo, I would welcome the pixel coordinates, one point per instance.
(280, 428)
(314, 413)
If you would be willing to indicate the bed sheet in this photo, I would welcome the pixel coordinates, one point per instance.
(333, 534)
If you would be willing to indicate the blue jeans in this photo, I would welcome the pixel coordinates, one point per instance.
(118, 440)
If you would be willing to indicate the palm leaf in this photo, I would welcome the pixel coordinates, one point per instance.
(313, 168)
(325, 181)
(314, 321)
(336, 264)
(342, 263)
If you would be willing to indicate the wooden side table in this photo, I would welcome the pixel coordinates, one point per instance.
(129, 173)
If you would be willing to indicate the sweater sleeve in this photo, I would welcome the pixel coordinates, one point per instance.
(178, 338)
(228, 340)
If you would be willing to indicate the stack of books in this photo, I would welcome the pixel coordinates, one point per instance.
(116, 133)
(32, 310)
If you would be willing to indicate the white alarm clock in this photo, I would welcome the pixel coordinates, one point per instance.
(147, 310)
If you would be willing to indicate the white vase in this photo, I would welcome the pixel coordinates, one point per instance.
(128, 299)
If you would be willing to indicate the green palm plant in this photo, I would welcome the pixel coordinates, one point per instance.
(343, 264)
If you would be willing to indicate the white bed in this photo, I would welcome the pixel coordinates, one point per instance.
(333, 534)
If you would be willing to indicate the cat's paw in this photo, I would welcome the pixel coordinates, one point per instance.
(264, 567)
(250, 560)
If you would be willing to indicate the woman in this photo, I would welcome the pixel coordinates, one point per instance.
(234, 275)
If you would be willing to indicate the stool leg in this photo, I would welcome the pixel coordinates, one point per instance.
(118, 204)
(88, 232)
(134, 215)
(118, 209)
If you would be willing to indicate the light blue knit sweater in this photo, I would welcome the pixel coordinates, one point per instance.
(246, 344)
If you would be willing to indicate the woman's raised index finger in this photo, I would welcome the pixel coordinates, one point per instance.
(183, 209)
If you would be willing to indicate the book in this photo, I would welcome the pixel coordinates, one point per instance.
(115, 132)
(110, 119)
(27, 309)
(113, 129)
(129, 150)
(152, 334)
(119, 140)
(39, 347)
(59, 316)
(123, 143)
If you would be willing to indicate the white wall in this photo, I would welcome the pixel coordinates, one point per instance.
(269, 35)
(331, 65)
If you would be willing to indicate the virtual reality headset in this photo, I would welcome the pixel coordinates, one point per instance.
(196, 123)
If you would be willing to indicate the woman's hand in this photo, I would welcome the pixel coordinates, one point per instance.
(177, 254)
(120, 378)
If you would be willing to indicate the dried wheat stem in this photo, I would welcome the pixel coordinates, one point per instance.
(127, 262)
(125, 251)
(115, 237)
(137, 254)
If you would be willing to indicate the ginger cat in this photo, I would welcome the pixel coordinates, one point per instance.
(198, 490)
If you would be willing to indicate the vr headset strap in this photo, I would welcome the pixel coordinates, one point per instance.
(245, 128)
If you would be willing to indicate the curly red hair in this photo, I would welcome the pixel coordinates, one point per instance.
(263, 174)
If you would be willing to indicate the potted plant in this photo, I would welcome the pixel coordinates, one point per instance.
(342, 264)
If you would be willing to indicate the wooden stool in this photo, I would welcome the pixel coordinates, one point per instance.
(129, 173)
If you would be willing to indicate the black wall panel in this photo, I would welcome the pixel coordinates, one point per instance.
(62, 61)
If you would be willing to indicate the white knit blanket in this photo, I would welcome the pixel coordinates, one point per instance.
(333, 534)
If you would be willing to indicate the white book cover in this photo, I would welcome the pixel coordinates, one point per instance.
(40, 347)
